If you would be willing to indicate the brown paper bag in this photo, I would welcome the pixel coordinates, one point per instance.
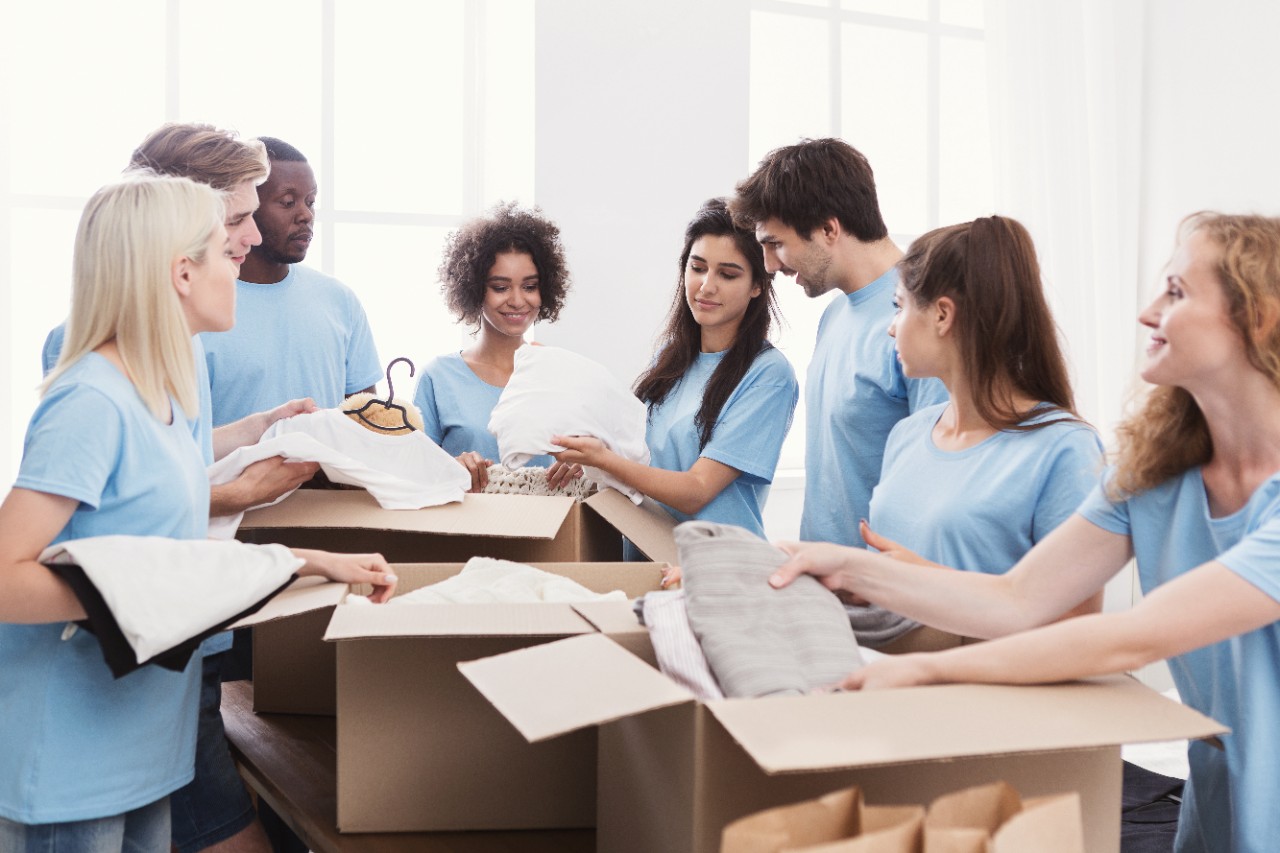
(839, 822)
(994, 819)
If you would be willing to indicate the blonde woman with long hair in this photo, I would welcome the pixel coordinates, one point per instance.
(1194, 496)
(110, 450)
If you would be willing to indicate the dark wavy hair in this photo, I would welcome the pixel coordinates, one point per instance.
(1004, 329)
(805, 184)
(470, 252)
(682, 339)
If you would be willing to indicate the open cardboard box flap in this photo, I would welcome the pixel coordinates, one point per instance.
(504, 516)
(788, 734)
(582, 681)
(648, 525)
(303, 595)
(553, 689)
(531, 619)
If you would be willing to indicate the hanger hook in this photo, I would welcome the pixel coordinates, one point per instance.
(391, 391)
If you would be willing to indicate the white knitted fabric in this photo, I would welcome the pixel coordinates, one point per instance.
(532, 480)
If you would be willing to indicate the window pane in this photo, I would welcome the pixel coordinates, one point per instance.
(885, 109)
(92, 86)
(508, 102)
(400, 122)
(963, 13)
(403, 301)
(253, 67)
(917, 10)
(790, 93)
(966, 185)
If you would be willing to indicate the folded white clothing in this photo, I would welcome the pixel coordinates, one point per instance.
(162, 592)
(484, 580)
(557, 392)
(400, 471)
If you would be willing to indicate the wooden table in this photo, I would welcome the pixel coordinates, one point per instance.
(290, 760)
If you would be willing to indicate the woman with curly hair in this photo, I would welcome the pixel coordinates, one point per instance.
(720, 396)
(1194, 497)
(501, 273)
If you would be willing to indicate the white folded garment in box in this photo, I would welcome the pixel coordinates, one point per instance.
(484, 580)
(400, 471)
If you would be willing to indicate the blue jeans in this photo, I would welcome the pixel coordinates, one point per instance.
(215, 805)
(143, 830)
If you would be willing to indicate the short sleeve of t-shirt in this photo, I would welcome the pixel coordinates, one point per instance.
(72, 445)
(1112, 517)
(363, 369)
(755, 419)
(424, 397)
(1074, 468)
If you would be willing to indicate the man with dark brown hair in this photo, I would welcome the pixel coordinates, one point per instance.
(814, 209)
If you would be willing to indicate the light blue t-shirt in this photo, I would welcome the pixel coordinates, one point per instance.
(1229, 804)
(748, 434)
(456, 405)
(201, 428)
(76, 743)
(304, 336)
(854, 393)
(982, 508)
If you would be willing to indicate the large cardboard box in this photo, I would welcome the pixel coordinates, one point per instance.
(418, 748)
(674, 771)
(523, 528)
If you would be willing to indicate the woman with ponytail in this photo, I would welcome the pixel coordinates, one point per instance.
(1194, 498)
(975, 482)
(720, 396)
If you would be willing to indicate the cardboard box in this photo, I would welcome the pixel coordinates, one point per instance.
(523, 528)
(418, 748)
(674, 771)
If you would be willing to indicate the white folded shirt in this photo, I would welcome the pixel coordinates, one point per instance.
(401, 472)
(484, 580)
(557, 392)
(161, 592)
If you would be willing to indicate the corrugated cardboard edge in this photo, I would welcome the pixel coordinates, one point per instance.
(920, 724)
(302, 596)
(560, 687)
(649, 527)
(532, 619)
(502, 516)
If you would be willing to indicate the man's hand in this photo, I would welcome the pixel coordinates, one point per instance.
(260, 483)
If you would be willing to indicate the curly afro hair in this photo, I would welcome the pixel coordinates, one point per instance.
(470, 252)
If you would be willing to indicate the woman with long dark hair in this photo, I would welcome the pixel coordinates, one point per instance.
(720, 396)
(1193, 497)
(975, 482)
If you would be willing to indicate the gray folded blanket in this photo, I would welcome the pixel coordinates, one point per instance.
(874, 626)
(758, 640)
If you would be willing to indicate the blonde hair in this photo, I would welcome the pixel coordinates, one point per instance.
(1169, 434)
(130, 235)
(202, 153)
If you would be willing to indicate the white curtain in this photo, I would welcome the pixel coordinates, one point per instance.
(1066, 93)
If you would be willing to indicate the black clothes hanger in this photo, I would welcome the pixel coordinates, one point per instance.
(387, 403)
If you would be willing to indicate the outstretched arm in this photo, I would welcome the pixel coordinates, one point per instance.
(1206, 605)
(1062, 572)
(687, 491)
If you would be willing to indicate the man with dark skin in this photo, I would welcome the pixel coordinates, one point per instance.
(298, 332)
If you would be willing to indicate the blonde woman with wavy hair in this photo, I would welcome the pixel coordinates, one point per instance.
(1194, 497)
(111, 450)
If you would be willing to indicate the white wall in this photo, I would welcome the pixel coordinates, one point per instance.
(641, 116)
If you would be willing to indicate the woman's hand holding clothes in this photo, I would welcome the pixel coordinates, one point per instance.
(351, 568)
